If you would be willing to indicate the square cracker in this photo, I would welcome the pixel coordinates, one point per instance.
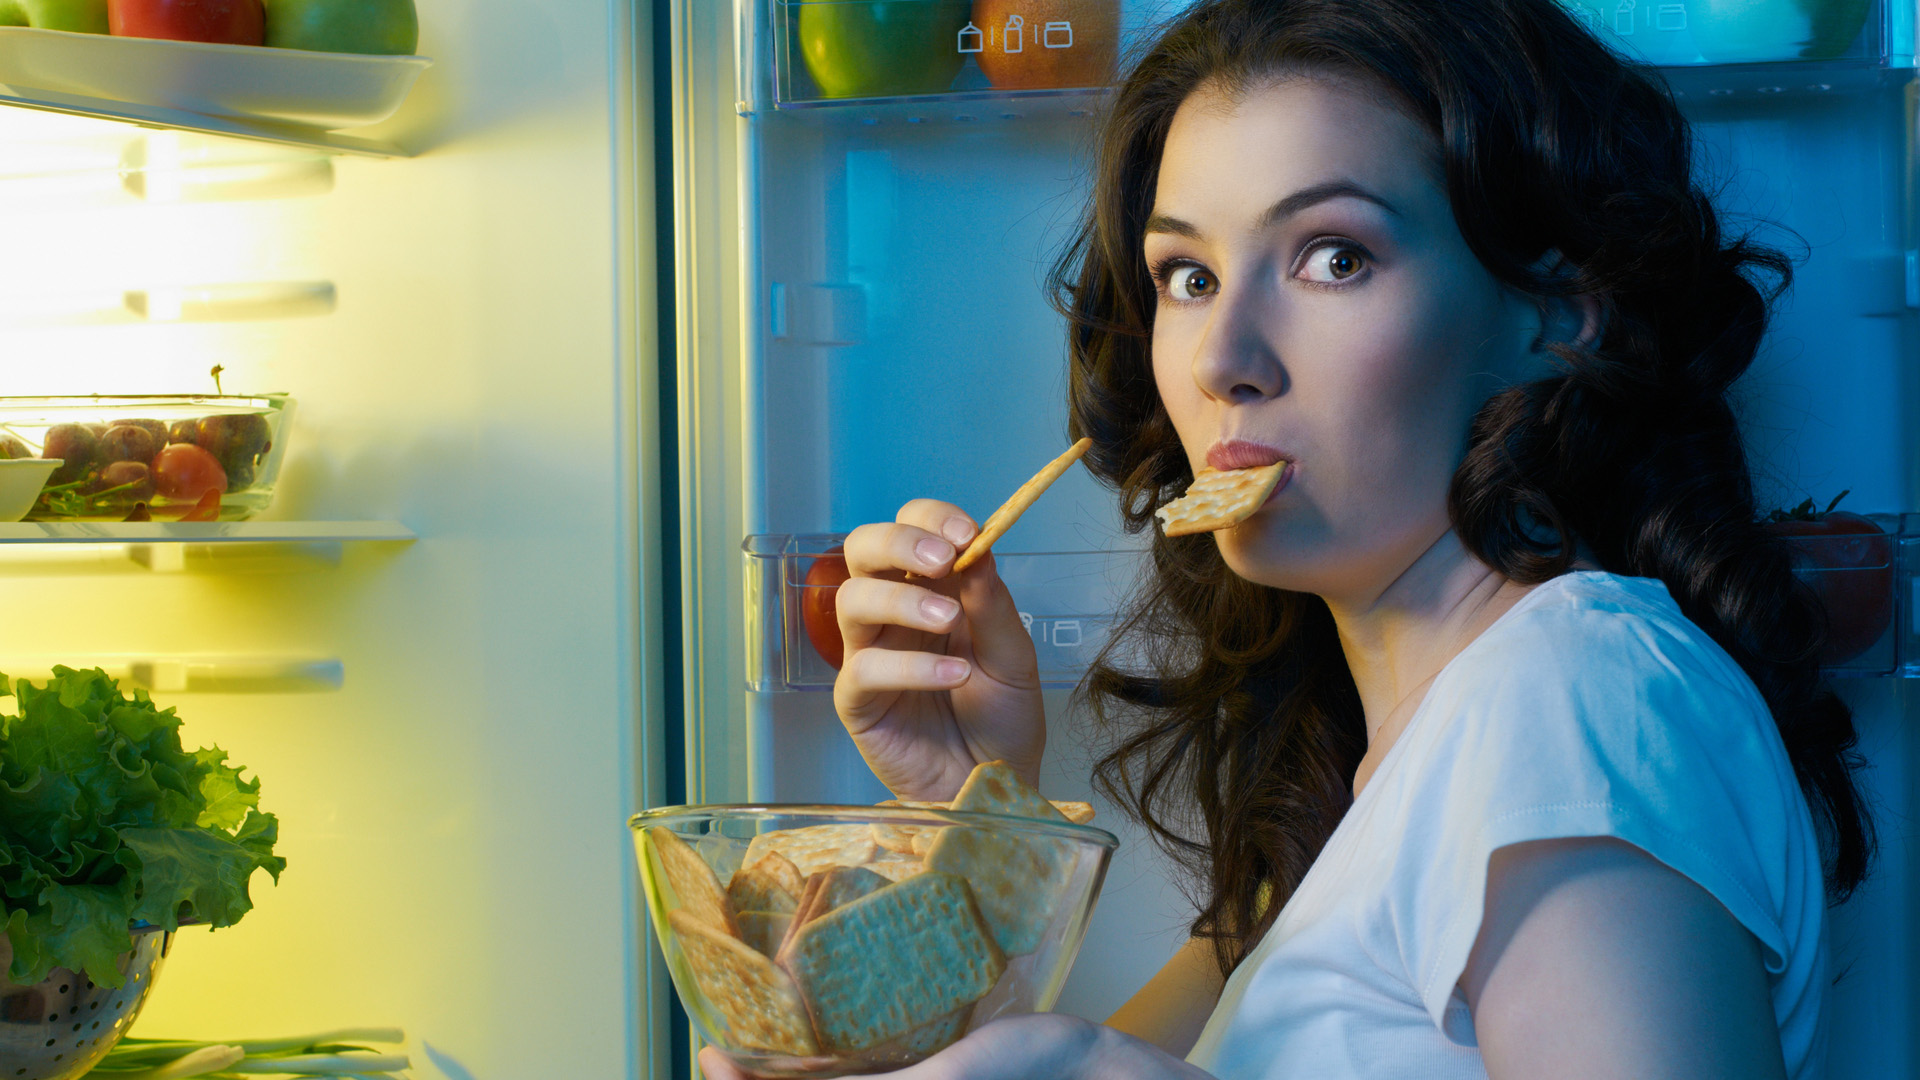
(758, 888)
(818, 847)
(764, 930)
(1217, 499)
(757, 1001)
(781, 870)
(994, 788)
(695, 888)
(1017, 879)
(897, 867)
(898, 838)
(891, 961)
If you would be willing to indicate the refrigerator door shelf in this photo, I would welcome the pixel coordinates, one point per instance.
(1067, 602)
(842, 52)
(1070, 601)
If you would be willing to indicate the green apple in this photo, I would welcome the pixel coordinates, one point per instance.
(388, 27)
(77, 16)
(878, 48)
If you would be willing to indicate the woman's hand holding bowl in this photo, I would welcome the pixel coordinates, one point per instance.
(940, 673)
(1038, 1046)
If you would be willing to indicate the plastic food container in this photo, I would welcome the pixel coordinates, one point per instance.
(904, 954)
(20, 484)
(118, 453)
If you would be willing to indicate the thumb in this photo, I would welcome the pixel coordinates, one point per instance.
(1002, 647)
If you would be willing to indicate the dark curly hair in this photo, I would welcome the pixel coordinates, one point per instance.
(1238, 725)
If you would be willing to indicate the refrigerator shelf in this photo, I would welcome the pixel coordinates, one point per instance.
(1066, 598)
(175, 546)
(160, 117)
(1069, 601)
(195, 673)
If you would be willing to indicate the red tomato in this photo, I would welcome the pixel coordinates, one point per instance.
(817, 608)
(184, 471)
(227, 22)
(1849, 562)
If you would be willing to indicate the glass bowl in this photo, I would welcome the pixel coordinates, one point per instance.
(177, 443)
(872, 968)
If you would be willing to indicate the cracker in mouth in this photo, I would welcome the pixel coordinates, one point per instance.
(1218, 500)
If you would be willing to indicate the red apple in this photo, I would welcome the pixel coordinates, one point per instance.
(226, 22)
(1849, 561)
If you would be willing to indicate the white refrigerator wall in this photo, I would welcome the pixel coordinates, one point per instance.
(454, 815)
(876, 330)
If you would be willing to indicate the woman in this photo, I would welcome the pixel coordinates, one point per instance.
(1495, 738)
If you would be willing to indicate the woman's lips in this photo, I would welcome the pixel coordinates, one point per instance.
(1239, 454)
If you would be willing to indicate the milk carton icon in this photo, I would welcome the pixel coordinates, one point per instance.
(972, 40)
(1013, 38)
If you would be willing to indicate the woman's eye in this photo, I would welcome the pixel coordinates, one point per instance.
(1190, 282)
(1333, 263)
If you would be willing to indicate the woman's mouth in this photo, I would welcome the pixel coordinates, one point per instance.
(1241, 454)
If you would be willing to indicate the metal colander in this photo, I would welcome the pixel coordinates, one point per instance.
(63, 1026)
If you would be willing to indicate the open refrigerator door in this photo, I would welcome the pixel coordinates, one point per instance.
(435, 645)
(861, 250)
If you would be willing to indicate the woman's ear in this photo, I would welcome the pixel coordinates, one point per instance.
(1575, 319)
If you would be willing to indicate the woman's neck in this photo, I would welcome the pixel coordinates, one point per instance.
(1398, 639)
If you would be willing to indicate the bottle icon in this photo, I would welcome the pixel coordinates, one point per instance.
(1057, 35)
(972, 40)
(1013, 38)
(1623, 18)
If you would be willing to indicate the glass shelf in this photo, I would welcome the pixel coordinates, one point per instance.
(1069, 602)
(152, 116)
(196, 673)
(175, 546)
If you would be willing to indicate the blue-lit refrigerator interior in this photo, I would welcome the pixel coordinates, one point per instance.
(862, 318)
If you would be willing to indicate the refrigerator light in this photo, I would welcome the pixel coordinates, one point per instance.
(173, 166)
(232, 303)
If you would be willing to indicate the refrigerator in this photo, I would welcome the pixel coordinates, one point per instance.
(596, 344)
(861, 319)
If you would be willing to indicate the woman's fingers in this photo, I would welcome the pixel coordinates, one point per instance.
(1001, 643)
(891, 548)
(924, 541)
(870, 673)
(866, 607)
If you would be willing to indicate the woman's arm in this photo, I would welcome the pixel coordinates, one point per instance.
(1173, 1007)
(1596, 960)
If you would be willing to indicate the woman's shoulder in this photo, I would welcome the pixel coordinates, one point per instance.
(1592, 633)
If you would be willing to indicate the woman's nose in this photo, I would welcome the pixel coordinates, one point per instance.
(1236, 361)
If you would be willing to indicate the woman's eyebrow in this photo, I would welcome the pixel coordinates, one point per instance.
(1280, 211)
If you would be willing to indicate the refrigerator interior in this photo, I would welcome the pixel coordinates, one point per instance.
(469, 335)
(863, 321)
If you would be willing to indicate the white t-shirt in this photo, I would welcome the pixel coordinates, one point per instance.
(1593, 707)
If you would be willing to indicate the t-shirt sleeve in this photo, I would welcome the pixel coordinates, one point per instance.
(1579, 721)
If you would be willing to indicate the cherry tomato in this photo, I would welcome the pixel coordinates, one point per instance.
(818, 612)
(186, 472)
(1849, 562)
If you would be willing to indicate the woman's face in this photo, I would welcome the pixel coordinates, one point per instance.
(1317, 304)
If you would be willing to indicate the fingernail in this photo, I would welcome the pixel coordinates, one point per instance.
(957, 529)
(951, 670)
(932, 552)
(939, 608)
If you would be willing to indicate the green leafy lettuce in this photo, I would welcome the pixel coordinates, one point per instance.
(107, 821)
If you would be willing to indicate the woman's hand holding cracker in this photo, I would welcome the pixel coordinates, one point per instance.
(940, 673)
